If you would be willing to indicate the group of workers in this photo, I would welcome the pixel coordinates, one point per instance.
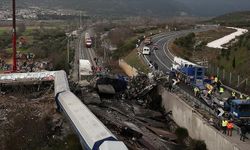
(227, 125)
(241, 96)
(210, 88)
(227, 128)
(216, 86)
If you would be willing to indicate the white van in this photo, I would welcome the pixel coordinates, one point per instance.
(146, 50)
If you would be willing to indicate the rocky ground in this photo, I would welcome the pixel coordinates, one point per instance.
(28, 119)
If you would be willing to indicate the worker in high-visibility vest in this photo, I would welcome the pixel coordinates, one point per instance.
(209, 87)
(221, 90)
(216, 79)
(196, 91)
(209, 93)
(241, 96)
(224, 126)
(218, 85)
(230, 127)
(233, 94)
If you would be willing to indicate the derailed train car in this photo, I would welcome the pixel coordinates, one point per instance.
(92, 132)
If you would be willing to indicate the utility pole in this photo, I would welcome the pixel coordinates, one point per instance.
(80, 19)
(14, 69)
(68, 35)
(68, 45)
(95, 40)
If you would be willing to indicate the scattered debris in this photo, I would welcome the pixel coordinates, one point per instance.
(126, 110)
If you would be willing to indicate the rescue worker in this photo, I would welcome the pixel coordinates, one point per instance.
(241, 96)
(224, 125)
(243, 131)
(216, 79)
(170, 86)
(212, 78)
(218, 85)
(221, 91)
(196, 91)
(230, 127)
(233, 95)
(209, 93)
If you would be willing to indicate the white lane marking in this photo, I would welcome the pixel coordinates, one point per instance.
(156, 36)
(164, 49)
(163, 37)
(174, 34)
(161, 61)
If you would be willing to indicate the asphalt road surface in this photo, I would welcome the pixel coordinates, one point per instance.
(163, 57)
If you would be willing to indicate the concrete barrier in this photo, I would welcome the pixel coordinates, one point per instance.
(198, 128)
(130, 71)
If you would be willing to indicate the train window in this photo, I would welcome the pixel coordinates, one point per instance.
(244, 108)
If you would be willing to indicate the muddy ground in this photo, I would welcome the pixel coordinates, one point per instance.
(29, 121)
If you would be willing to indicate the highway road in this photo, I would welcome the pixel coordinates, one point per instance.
(163, 57)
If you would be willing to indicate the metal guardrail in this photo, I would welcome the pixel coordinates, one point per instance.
(195, 102)
(192, 101)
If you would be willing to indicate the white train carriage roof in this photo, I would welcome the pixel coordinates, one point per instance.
(113, 145)
(179, 62)
(61, 82)
(84, 120)
(91, 130)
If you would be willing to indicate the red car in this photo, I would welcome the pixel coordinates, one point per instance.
(155, 47)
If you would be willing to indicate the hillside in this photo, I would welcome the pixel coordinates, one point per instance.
(241, 19)
(158, 8)
(113, 7)
(215, 7)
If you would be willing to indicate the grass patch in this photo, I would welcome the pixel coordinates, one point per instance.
(125, 48)
(8, 50)
(133, 60)
(204, 52)
(4, 29)
(212, 35)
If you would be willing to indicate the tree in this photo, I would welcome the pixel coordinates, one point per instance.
(198, 145)
(181, 133)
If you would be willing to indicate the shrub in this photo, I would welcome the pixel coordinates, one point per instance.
(181, 133)
(198, 145)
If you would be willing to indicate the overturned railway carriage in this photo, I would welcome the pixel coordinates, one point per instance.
(88, 40)
(92, 132)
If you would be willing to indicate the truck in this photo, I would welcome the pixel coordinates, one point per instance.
(84, 68)
(147, 41)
